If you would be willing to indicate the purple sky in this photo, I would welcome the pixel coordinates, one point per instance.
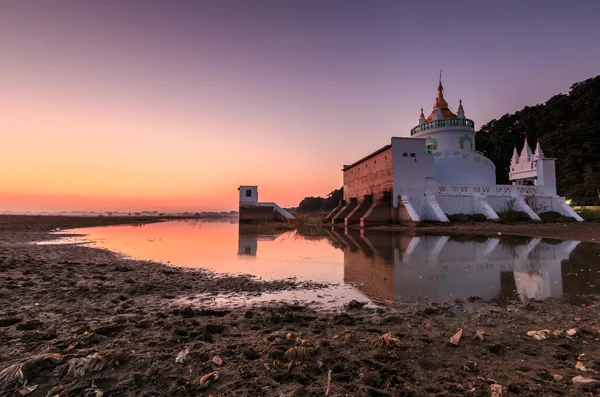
(281, 93)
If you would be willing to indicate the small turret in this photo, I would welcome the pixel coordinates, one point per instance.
(538, 155)
(422, 118)
(461, 112)
(515, 158)
(526, 154)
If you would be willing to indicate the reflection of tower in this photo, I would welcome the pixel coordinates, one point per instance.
(247, 244)
(248, 237)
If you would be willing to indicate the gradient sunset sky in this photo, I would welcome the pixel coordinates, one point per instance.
(170, 105)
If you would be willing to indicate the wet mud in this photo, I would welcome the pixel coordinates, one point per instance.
(78, 321)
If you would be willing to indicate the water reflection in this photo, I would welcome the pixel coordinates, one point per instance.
(249, 236)
(395, 267)
(408, 268)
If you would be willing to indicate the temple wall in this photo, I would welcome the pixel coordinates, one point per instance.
(457, 204)
(413, 168)
(460, 167)
(449, 138)
(372, 176)
(252, 213)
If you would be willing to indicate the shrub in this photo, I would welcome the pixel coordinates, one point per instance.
(513, 216)
(478, 218)
(553, 216)
(459, 218)
(466, 218)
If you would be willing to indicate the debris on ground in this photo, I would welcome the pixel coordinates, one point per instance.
(539, 335)
(209, 378)
(79, 366)
(389, 340)
(557, 377)
(582, 380)
(297, 353)
(571, 332)
(217, 360)
(182, 355)
(17, 374)
(454, 339)
(579, 366)
(479, 335)
(25, 390)
(92, 392)
(496, 390)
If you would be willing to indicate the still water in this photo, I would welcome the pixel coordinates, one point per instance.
(382, 267)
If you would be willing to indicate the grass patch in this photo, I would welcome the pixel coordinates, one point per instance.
(510, 216)
(466, 218)
(589, 215)
(553, 216)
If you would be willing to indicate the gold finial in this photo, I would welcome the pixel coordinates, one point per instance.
(422, 115)
(460, 107)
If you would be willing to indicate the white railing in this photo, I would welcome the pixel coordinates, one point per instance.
(444, 123)
(494, 190)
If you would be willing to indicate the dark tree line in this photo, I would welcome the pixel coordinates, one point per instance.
(321, 204)
(568, 129)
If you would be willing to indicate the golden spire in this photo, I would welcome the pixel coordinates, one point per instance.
(422, 115)
(440, 102)
(460, 104)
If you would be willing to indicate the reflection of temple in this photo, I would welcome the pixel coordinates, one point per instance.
(439, 268)
(248, 238)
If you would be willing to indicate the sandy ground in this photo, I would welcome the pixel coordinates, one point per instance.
(78, 321)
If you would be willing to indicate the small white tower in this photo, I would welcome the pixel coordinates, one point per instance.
(461, 112)
(421, 118)
(538, 155)
(514, 160)
(248, 195)
(526, 155)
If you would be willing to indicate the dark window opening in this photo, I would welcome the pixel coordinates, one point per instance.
(248, 193)
(413, 155)
(404, 154)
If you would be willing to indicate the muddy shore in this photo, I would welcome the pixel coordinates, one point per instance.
(584, 231)
(86, 322)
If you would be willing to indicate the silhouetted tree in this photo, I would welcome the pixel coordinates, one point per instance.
(568, 128)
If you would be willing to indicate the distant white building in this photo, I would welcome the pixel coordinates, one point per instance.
(251, 210)
(438, 172)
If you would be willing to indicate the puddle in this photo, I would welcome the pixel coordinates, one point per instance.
(381, 266)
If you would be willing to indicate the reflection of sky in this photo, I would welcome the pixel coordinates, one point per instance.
(383, 266)
(170, 105)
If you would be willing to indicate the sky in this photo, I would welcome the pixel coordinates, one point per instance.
(171, 105)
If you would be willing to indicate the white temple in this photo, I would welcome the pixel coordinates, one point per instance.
(438, 172)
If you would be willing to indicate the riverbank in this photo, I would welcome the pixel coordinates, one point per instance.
(105, 324)
(582, 231)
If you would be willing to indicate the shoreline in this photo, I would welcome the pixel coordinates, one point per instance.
(585, 231)
(92, 318)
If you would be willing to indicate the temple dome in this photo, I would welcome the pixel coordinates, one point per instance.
(441, 103)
